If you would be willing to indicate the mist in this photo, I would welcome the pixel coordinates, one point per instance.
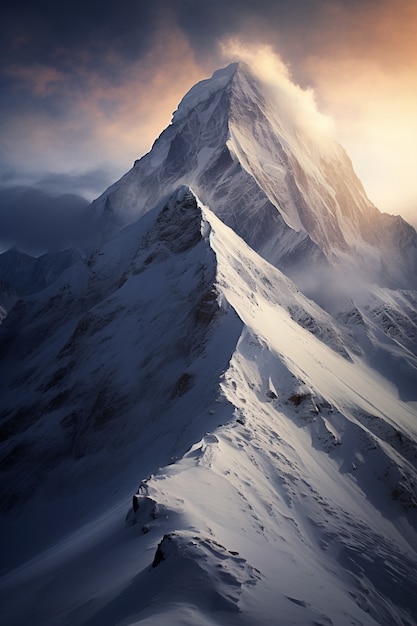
(35, 221)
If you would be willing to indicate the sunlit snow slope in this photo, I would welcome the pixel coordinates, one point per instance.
(293, 500)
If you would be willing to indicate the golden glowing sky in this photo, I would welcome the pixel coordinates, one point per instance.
(94, 103)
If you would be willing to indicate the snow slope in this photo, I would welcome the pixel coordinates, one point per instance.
(275, 469)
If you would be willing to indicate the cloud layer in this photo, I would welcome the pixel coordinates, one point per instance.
(365, 74)
(35, 221)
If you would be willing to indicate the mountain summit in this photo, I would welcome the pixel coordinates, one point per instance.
(209, 417)
(272, 175)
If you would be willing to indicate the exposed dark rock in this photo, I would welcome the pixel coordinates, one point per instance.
(183, 384)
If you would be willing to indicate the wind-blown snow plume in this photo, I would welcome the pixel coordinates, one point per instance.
(296, 105)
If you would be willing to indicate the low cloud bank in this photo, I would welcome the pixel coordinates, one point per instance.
(36, 221)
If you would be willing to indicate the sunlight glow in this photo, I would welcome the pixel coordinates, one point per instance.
(297, 104)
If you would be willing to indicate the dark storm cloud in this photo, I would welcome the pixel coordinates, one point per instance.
(54, 52)
(102, 34)
(35, 221)
(52, 30)
(283, 21)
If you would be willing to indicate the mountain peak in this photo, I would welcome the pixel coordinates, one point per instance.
(237, 79)
(260, 156)
(204, 89)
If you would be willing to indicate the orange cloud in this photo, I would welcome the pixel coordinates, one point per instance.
(128, 116)
(365, 76)
(106, 120)
(41, 79)
(384, 31)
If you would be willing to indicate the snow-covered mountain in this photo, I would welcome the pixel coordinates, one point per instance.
(287, 189)
(211, 417)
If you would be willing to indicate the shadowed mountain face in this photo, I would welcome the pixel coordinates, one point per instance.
(210, 416)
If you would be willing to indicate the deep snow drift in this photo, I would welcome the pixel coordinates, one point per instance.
(186, 437)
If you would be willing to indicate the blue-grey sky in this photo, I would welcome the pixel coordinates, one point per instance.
(87, 86)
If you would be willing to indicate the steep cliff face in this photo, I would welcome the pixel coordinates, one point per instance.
(111, 337)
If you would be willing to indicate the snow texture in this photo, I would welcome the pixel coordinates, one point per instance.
(211, 416)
